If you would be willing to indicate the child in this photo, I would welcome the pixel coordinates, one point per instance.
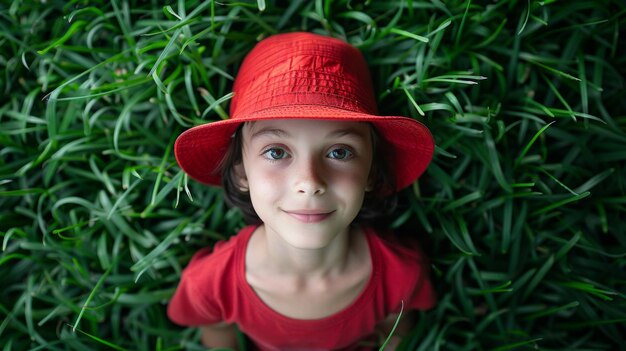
(308, 161)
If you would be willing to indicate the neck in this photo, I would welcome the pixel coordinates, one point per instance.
(289, 260)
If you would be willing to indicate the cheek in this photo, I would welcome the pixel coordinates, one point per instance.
(351, 182)
(263, 182)
(351, 179)
(357, 174)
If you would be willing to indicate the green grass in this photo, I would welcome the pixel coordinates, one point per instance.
(523, 210)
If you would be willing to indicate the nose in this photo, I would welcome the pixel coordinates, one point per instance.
(309, 179)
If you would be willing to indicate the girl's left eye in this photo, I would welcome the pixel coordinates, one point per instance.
(340, 154)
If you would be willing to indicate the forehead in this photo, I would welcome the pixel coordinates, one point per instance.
(293, 128)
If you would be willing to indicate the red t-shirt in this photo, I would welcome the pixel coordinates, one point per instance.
(213, 289)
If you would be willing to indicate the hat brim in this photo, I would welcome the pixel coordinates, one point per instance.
(200, 150)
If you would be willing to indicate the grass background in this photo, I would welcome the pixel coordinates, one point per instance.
(523, 210)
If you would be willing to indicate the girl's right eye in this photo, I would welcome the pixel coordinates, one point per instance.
(275, 153)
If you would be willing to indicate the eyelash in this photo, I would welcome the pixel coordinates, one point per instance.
(266, 153)
(273, 148)
(349, 150)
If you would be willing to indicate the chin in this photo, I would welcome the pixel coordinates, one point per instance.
(309, 237)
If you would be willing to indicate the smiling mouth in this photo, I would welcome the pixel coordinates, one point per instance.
(309, 216)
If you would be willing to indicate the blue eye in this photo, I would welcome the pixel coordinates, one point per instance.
(275, 153)
(340, 154)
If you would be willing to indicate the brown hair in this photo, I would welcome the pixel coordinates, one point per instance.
(378, 203)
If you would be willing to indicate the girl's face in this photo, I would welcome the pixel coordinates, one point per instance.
(307, 178)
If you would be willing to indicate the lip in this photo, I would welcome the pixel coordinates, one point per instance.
(310, 216)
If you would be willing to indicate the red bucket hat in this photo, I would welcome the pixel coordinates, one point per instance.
(304, 75)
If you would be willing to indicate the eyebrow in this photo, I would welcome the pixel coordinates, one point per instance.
(281, 133)
(270, 131)
(346, 131)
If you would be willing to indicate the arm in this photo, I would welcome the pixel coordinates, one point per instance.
(405, 325)
(219, 335)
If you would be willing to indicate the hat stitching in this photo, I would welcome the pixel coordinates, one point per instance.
(361, 107)
(263, 68)
(358, 95)
(321, 76)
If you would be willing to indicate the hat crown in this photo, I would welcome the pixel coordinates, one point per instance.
(297, 69)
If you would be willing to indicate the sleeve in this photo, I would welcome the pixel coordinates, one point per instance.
(193, 303)
(407, 274)
(423, 295)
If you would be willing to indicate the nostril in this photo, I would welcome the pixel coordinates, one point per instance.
(317, 189)
(311, 186)
(309, 178)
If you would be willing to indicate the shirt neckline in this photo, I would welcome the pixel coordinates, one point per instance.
(330, 320)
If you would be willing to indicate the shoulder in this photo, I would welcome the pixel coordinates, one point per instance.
(208, 285)
(404, 252)
(212, 263)
(405, 271)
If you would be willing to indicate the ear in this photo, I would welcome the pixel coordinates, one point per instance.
(242, 179)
